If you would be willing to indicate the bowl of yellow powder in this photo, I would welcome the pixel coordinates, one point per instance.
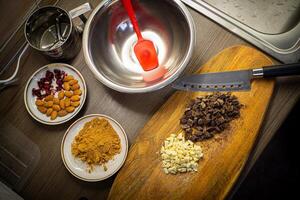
(94, 147)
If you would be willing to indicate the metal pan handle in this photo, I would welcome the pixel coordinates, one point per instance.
(12, 79)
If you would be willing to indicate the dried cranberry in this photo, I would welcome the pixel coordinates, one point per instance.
(45, 86)
(59, 82)
(48, 92)
(57, 71)
(49, 75)
(40, 84)
(58, 88)
(43, 80)
(36, 92)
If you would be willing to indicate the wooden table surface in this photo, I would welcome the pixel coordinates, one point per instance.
(51, 180)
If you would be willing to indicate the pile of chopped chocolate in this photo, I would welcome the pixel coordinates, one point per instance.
(208, 115)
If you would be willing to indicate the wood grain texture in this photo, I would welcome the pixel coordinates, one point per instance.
(224, 156)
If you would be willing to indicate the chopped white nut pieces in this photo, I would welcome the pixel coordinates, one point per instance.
(179, 155)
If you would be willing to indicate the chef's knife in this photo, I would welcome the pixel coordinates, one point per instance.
(233, 80)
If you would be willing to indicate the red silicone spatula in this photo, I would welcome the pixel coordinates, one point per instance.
(143, 49)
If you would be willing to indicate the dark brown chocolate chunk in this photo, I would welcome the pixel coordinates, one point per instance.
(185, 126)
(190, 122)
(183, 121)
(209, 115)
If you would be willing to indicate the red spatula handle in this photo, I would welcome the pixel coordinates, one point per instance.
(128, 7)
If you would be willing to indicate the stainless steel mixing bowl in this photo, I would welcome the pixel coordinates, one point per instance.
(109, 38)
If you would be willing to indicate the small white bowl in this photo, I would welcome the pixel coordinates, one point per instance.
(29, 99)
(77, 167)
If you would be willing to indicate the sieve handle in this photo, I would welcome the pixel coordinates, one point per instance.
(79, 12)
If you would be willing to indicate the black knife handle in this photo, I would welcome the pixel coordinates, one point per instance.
(281, 70)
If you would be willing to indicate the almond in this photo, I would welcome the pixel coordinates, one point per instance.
(56, 107)
(75, 98)
(49, 111)
(67, 102)
(55, 100)
(75, 103)
(70, 109)
(49, 104)
(62, 113)
(68, 94)
(77, 92)
(49, 98)
(61, 95)
(62, 104)
(42, 109)
(66, 86)
(53, 115)
(75, 87)
(73, 82)
(39, 102)
(68, 78)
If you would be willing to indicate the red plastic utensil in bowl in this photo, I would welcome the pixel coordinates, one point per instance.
(144, 49)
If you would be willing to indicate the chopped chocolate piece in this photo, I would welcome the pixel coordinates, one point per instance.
(189, 130)
(200, 121)
(188, 113)
(190, 122)
(185, 126)
(183, 121)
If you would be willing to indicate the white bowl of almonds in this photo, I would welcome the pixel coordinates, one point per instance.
(55, 93)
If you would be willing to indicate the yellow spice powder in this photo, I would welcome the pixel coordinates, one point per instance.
(96, 143)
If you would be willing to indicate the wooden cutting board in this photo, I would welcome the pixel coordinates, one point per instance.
(225, 155)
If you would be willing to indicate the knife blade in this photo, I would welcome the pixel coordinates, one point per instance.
(233, 80)
(223, 81)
